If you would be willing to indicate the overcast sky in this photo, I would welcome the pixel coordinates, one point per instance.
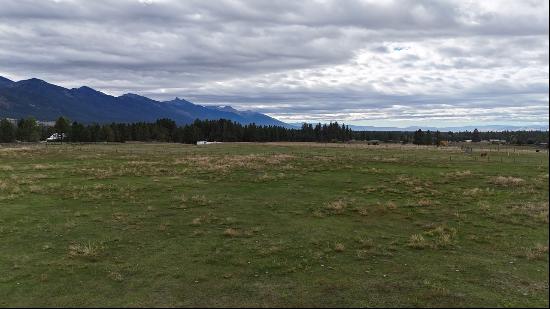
(384, 63)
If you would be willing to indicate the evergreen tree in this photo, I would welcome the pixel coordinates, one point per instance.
(418, 137)
(28, 130)
(476, 137)
(7, 131)
(62, 126)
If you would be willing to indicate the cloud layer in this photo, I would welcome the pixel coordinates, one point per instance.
(364, 62)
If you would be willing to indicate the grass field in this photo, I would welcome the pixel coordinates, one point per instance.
(271, 225)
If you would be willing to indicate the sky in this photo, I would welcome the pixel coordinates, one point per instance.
(380, 63)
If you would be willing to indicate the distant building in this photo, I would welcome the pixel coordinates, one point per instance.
(56, 137)
(206, 143)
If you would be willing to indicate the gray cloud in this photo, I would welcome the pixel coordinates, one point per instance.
(353, 61)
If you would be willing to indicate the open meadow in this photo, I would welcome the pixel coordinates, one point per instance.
(277, 224)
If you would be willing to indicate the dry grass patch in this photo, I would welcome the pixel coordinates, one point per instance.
(42, 166)
(391, 205)
(535, 210)
(444, 235)
(363, 211)
(224, 164)
(200, 200)
(89, 251)
(197, 221)
(458, 174)
(115, 276)
(539, 252)
(424, 202)
(473, 192)
(509, 181)
(339, 247)
(36, 189)
(337, 206)
(417, 241)
(231, 232)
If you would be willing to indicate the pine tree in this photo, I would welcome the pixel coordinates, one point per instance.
(476, 138)
(7, 131)
(418, 137)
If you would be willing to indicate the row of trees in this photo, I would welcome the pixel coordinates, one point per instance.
(428, 137)
(166, 130)
(513, 137)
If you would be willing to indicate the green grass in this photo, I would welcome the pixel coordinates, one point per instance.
(271, 225)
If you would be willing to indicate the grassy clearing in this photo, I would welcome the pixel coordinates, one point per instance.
(271, 225)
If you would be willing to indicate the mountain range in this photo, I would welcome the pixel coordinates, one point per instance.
(46, 102)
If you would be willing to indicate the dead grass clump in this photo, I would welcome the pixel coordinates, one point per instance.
(459, 174)
(509, 181)
(537, 211)
(318, 213)
(42, 166)
(267, 177)
(89, 251)
(363, 211)
(424, 202)
(417, 241)
(539, 252)
(473, 192)
(391, 205)
(3, 185)
(402, 179)
(200, 200)
(115, 276)
(339, 247)
(337, 206)
(36, 189)
(443, 236)
(231, 232)
(484, 206)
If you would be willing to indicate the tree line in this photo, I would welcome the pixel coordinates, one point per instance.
(222, 130)
(428, 137)
(166, 130)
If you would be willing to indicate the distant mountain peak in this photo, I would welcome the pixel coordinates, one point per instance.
(5, 82)
(135, 96)
(131, 95)
(34, 81)
(87, 90)
(178, 100)
(227, 108)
